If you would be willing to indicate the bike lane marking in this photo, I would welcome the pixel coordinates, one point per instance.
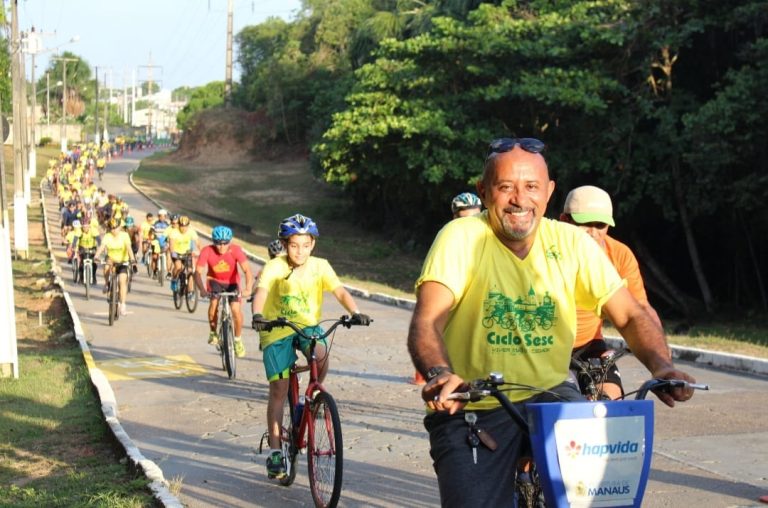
(123, 369)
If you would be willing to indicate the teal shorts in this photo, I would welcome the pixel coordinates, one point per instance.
(280, 356)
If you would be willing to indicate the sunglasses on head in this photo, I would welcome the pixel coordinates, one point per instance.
(530, 145)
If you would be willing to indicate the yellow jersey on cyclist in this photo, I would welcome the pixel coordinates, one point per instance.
(101, 163)
(145, 227)
(182, 242)
(118, 246)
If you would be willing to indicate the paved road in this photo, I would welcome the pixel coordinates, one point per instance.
(203, 430)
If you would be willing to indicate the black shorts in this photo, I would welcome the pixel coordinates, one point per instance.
(593, 349)
(218, 287)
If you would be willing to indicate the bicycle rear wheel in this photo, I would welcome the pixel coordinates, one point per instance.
(287, 441)
(228, 347)
(325, 451)
(75, 270)
(190, 293)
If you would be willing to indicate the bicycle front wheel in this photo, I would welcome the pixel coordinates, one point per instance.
(87, 275)
(190, 294)
(177, 294)
(324, 455)
(228, 347)
(113, 310)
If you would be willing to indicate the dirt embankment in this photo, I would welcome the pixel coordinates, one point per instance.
(229, 136)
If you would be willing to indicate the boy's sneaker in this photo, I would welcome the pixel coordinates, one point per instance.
(123, 310)
(213, 339)
(239, 347)
(275, 464)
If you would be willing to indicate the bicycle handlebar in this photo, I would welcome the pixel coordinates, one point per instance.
(344, 321)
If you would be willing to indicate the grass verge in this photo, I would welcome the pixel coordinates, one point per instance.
(55, 448)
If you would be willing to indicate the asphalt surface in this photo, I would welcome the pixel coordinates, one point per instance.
(175, 408)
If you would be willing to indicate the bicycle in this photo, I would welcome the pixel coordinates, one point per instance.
(312, 421)
(161, 268)
(146, 257)
(113, 293)
(551, 429)
(185, 285)
(226, 330)
(87, 267)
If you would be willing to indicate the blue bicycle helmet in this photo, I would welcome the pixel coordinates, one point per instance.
(275, 248)
(297, 225)
(465, 200)
(221, 234)
(129, 221)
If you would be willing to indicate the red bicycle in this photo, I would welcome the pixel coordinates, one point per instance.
(311, 421)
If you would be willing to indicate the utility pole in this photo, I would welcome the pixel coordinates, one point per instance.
(64, 100)
(149, 131)
(228, 72)
(20, 226)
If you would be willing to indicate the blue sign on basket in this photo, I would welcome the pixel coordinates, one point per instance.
(592, 453)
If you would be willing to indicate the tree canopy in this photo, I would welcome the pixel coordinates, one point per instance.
(660, 103)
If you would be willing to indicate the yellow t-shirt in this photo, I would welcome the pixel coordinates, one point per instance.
(144, 229)
(298, 298)
(118, 246)
(181, 243)
(87, 240)
(516, 316)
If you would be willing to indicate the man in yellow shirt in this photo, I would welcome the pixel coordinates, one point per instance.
(182, 241)
(498, 293)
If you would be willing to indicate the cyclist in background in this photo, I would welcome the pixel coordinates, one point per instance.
(217, 272)
(161, 233)
(117, 245)
(292, 286)
(182, 241)
(466, 204)
(275, 248)
(590, 208)
(149, 221)
(133, 233)
(86, 245)
(153, 245)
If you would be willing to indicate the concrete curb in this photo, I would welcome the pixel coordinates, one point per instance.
(725, 361)
(109, 408)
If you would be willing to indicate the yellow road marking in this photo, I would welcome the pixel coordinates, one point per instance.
(122, 369)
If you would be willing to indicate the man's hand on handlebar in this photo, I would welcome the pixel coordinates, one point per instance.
(676, 394)
(360, 319)
(435, 392)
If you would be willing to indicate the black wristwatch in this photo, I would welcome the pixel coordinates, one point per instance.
(433, 372)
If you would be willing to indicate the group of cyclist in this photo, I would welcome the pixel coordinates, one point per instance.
(502, 251)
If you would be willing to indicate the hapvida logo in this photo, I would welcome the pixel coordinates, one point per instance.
(618, 448)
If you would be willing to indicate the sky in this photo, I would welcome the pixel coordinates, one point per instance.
(182, 42)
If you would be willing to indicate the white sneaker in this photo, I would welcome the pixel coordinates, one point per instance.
(123, 309)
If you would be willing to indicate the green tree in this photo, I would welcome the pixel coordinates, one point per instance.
(200, 98)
